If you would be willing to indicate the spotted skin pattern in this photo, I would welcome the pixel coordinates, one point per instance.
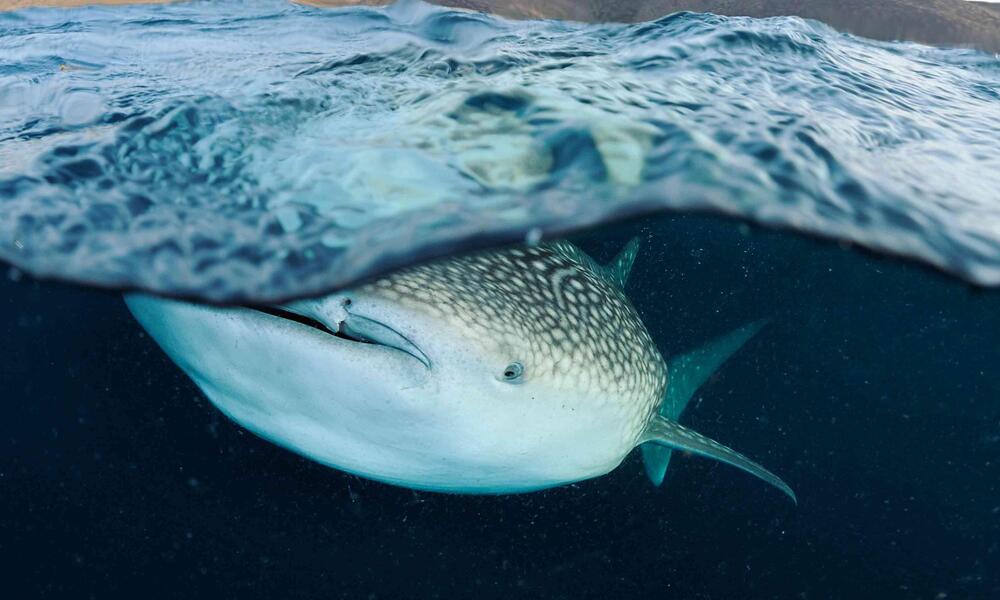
(550, 308)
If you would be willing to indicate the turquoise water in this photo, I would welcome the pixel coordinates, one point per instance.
(260, 150)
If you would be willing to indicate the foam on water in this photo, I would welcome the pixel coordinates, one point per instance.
(261, 150)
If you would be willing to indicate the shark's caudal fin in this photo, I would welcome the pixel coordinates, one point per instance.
(616, 272)
(670, 434)
(687, 373)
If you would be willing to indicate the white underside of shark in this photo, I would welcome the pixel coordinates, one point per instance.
(364, 408)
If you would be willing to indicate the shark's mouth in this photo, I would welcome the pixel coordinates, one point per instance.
(354, 328)
(304, 320)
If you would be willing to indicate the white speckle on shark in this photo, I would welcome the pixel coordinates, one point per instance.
(499, 372)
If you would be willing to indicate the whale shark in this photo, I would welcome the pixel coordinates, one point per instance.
(503, 371)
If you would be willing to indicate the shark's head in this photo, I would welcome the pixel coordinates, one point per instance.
(502, 371)
(537, 368)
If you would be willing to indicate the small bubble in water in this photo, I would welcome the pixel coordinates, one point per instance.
(335, 240)
(81, 107)
(289, 219)
(534, 236)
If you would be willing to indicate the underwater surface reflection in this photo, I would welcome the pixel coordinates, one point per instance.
(263, 150)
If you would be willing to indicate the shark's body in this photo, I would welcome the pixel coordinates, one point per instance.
(504, 371)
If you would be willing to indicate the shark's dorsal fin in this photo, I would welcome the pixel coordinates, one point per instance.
(672, 435)
(685, 374)
(616, 272)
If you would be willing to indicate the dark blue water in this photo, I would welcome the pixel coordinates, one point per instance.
(256, 150)
(874, 392)
(231, 150)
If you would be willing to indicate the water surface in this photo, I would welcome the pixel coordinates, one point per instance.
(258, 150)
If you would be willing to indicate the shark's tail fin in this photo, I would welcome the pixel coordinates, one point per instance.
(687, 373)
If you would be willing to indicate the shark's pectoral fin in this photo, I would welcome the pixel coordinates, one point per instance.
(656, 459)
(687, 373)
(672, 436)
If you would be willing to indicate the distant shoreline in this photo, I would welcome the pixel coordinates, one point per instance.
(16, 4)
(960, 23)
(995, 6)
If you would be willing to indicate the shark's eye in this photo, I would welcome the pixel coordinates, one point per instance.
(513, 371)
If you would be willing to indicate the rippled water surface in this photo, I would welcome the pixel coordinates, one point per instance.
(257, 150)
